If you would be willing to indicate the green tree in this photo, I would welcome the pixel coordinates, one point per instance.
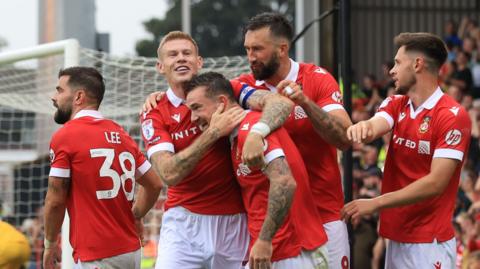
(217, 25)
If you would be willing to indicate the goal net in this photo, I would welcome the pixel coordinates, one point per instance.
(27, 82)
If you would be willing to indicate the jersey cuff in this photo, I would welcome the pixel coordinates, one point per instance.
(386, 116)
(272, 155)
(59, 172)
(143, 169)
(448, 153)
(160, 147)
(331, 107)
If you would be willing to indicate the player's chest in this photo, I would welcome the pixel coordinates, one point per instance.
(180, 127)
(414, 135)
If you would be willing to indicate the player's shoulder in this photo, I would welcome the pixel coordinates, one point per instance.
(314, 72)
(449, 108)
(396, 99)
(250, 119)
(244, 78)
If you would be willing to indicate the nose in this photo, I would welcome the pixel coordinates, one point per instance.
(193, 117)
(250, 55)
(391, 72)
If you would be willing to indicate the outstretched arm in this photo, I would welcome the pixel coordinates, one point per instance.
(426, 187)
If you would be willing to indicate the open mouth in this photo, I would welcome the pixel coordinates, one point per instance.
(182, 69)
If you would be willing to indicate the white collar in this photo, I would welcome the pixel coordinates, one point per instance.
(88, 113)
(428, 104)
(292, 75)
(175, 100)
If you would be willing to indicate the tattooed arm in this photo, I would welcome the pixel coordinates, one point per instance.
(280, 196)
(331, 126)
(172, 168)
(275, 110)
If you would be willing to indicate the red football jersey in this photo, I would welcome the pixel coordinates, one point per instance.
(211, 187)
(439, 128)
(300, 228)
(102, 161)
(320, 157)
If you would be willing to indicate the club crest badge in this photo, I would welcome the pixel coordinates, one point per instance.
(425, 124)
(147, 129)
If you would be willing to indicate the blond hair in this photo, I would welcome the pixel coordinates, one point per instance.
(173, 35)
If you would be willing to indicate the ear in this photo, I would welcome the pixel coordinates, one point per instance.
(159, 67)
(79, 97)
(418, 64)
(223, 99)
(199, 62)
(284, 47)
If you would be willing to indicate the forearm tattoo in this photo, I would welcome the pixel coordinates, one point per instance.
(275, 109)
(280, 198)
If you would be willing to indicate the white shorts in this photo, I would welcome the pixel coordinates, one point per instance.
(421, 255)
(307, 259)
(130, 260)
(192, 241)
(337, 245)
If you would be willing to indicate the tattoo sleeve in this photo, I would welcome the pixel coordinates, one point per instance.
(280, 196)
(275, 108)
(172, 168)
(328, 126)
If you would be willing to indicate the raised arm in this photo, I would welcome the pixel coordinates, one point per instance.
(275, 110)
(280, 196)
(369, 130)
(55, 205)
(331, 126)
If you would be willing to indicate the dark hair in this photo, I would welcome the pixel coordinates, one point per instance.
(87, 78)
(279, 25)
(214, 82)
(428, 44)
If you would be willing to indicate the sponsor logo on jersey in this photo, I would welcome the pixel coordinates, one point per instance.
(299, 113)
(52, 155)
(423, 147)
(147, 129)
(454, 110)
(453, 137)
(245, 127)
(176, 117)
(337, 96)
(424, 125)
(185, 133)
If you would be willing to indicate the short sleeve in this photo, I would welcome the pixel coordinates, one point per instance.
(325, 91)
(273, 148)
(60, 164)
(452, 134)
(389, 109)
(155, 134)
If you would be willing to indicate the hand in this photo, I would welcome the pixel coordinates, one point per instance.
(223, 122)
(261, 255)
(358, 208)
(293, 92)
(151, 101)
(252, 152)
(52, 257)
(360, 132)
(139, 230)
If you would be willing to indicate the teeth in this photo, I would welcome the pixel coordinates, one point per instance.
(182, 68)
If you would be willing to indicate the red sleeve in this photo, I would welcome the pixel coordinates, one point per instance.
(325, 91)
(155, 134)
(142, 164)
(60, 164)
(452, 133)
(273, 147)
(389, 108)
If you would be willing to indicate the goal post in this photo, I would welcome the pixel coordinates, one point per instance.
(27, 81)
(68, 50)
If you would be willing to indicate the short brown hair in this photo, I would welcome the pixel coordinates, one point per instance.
(173, 35)
(87, 78)
(428, 44)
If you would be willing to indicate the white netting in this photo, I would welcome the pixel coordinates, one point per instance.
(26, 123)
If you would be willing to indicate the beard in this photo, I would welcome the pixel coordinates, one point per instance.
(62, 115)
(404, 89)
(267, 70)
